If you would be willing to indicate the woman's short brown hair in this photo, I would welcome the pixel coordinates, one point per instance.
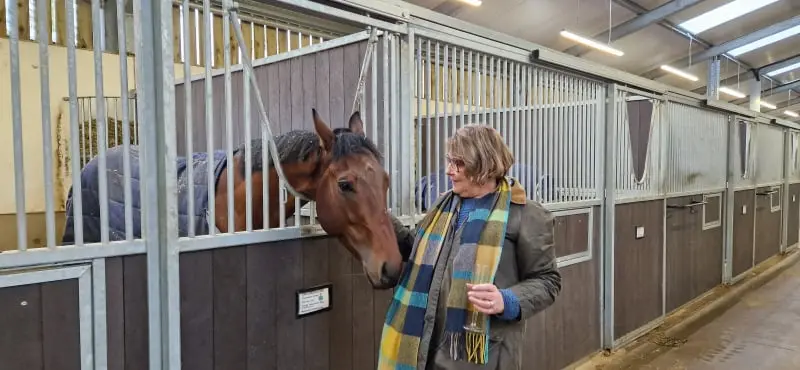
(483, 151)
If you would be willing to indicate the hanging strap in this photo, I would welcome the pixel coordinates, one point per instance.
(358, 99)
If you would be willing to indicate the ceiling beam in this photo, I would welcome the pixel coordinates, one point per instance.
(772, 91)
(702, 56)
(637, 23)
(781, 106)
(760, 70)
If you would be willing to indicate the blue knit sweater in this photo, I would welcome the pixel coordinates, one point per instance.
(510, 300)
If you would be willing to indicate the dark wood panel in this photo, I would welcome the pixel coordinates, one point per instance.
(135, 311)
(571, 234)
(569, 329)
(694, 255)
(40, 326)
(793, 222)
(638, 265)
(743, 230)
(115, 313)
(61, 325)
(768, 225)
(230, 308)
(197, 314)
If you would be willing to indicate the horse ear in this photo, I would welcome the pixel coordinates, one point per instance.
(324, 132)
(356, 124)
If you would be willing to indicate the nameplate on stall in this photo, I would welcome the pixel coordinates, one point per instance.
(314, 300)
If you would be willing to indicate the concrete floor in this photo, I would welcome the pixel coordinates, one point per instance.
(761, 332)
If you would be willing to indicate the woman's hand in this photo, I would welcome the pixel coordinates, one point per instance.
(486, 298)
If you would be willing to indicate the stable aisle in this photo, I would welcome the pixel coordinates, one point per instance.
(760, 332)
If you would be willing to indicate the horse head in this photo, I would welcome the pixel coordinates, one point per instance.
(351, 200)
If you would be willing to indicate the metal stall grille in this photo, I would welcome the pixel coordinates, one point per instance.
(696, 150)
(551, 121)
(744, 160)
(639, 151)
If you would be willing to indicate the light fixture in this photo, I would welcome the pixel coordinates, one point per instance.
(591, 43)
(731, 92)
(791, 114)
(768, 105)
(784, 70)
(678, 72)
(473, 2)
(722, 14)
(771, 39)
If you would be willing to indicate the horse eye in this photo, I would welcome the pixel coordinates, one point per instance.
(346, 186)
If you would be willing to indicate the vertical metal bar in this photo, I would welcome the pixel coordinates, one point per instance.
(428, 115)
(16, 114)
(99, 316)
(493, 104)
(47, 145)
(248, 144)
(395, 123)
(155, 88)
(226, 53)
(75, 142)
(406, 133)
(386, 112)
(551, 133)
(265, 151)
(470, 103)
(462, 88)
(420, 80)
(607, 229)
(85, 331)
(209, 118)
(730, 193)
(482, 89)
(446, 68)
(437, 72)
(787, 170)
(187, 120)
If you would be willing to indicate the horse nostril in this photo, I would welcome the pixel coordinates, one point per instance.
(384, 271)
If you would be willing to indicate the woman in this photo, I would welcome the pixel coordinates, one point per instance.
(484, 223)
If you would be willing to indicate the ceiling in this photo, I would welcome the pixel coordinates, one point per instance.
(657, 40)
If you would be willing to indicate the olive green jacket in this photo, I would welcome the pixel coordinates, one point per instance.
(527, 266)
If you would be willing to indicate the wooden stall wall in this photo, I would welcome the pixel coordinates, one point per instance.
(290, 88)
(693, 248)
(638, 265)
(793, 221)
(39, 326)
(569, 329)
(768, 223)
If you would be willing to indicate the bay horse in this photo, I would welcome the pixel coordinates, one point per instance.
(339, 169)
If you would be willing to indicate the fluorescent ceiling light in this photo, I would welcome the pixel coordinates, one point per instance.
(768, 105)
(473, 2)
(678, 72)
(722, 14)
(771, 39)
(784, 70)
(591, 43)
(731, 92)
(791, 114)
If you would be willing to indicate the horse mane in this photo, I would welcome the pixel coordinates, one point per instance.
(298, 145)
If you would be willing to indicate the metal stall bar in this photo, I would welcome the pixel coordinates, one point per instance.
(155, 107)
(75, 144)
(608, 222)
(16, 116)
(101, 119)
(406, 134)
(226, 46)
(47, 145)
(187, 100)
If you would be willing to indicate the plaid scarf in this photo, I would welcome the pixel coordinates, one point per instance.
(481, 244)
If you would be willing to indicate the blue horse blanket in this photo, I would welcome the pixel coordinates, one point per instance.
(90, 193)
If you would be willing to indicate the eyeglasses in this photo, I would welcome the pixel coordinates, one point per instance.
(457, 163)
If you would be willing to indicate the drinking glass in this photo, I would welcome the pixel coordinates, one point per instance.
(481, 275)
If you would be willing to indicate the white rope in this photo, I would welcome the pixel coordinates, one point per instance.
(265, 125)
(358, 99)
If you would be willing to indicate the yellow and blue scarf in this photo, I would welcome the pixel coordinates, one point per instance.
(481, 244)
